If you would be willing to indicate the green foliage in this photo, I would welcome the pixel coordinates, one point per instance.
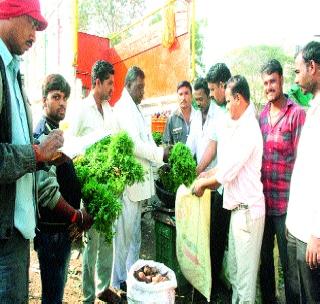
(248, 61)
(157, 137)
(181, 169)
(104, 171)
(199, 45)
(106, 17)
(296, 94)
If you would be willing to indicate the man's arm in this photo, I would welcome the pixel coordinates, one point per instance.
(208, 156)
(202, 184)
(17, 160)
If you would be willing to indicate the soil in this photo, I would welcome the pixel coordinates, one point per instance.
(73, 292)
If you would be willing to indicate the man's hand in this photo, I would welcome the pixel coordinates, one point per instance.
(166, 153)
(47, 149)
(84, 219)
(199, 187)
(313, 252)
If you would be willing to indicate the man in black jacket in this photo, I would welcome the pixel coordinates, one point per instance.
(52, 241)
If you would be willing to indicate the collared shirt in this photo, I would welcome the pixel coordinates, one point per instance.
(200, 134)
(239, 166)
(24, 214)
(279, 154)
(89, 120)
(304, 208)
(177, 129)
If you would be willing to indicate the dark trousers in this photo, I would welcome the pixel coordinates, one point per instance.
(303, 282)
(220, 220)
(54, 254)
(14, 269)
(274, 226)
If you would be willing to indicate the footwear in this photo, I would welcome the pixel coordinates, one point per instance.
(112, 295)
(123, 286)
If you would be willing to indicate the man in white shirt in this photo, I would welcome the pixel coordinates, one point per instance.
(239, 171)
(303, 215)
(95, 116)
(127, 240)
(201, 131)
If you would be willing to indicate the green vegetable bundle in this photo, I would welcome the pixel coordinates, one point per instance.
(157, 137)
(181, 169)
(104, 171)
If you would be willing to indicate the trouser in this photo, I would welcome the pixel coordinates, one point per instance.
(303, 282)
(14, 269)
(54, 251)
(245, 237)
(220, 220)
(96, 265)
(127, 240)
(274, 225)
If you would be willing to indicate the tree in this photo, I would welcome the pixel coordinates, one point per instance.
(200, 66)
(248, 62)
(106, 17)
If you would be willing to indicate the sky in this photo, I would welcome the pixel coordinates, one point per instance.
(234, 24)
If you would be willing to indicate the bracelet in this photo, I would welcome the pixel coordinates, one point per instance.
(81, 216)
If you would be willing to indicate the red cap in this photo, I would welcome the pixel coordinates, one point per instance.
(16, 8)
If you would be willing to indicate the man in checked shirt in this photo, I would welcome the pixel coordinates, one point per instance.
(281, 122)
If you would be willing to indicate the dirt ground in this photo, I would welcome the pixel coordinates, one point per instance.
(73, 294)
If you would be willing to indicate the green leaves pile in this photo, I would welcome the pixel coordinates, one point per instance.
(157, 137)
(181, 169)
(104, 171)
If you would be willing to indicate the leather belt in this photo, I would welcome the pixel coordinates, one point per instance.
(241, 206)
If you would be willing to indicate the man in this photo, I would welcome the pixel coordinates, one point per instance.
(281, 122)
(217, 78)
(52, 241)
(95, 116)
(238, 170)
(178, 124)
(19, 157)
(127, 240)
(303, 208)
(200, 132)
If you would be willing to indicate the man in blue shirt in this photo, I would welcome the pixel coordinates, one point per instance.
(22, 186)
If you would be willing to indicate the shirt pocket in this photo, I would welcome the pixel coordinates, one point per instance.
(177, 134)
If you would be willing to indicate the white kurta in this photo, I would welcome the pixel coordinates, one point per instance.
(97, 255)
(127, 240)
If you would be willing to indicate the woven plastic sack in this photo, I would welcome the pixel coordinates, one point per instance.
(193, 238)
(151, 293)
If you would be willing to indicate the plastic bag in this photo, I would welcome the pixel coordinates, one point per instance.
(152, 293)
(193, 238)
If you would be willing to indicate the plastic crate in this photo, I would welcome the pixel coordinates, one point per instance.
(158, 124)
(166, 252)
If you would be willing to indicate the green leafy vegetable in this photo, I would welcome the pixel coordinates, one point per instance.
(157, 137)
(181, 168)
(104, 171)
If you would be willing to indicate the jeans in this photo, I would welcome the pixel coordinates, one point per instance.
(219, 228)
(274, 226)
(54, 251)
(14, 269)
(303, 282)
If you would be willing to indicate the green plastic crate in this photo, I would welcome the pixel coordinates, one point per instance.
(166, 252)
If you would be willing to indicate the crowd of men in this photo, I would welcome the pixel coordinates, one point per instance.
(262, 173)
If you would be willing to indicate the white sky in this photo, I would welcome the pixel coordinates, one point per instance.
(235, 23)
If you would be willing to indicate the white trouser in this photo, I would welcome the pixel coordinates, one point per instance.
(96, 265)
(127, 240)
(245, 238)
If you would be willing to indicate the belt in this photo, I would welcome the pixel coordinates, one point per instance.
(241, 206)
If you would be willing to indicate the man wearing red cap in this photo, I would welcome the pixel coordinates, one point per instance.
(21, 188)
